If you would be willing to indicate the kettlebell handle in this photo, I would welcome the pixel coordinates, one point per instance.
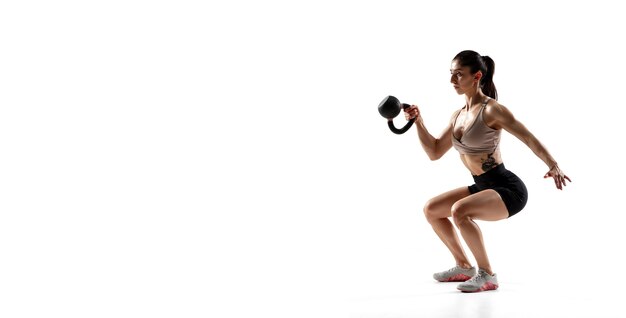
(406, 127)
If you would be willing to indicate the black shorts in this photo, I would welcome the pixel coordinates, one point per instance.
(509, 186)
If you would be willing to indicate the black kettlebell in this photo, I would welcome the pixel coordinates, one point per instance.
(389, 108)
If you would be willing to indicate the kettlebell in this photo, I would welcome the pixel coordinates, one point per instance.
(389, 108)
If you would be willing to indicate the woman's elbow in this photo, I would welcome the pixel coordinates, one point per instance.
(434, 153)
(434, 156)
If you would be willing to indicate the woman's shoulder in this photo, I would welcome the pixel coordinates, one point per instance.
(496, 112)
(494, 107)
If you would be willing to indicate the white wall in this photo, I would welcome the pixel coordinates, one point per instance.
(186, 158)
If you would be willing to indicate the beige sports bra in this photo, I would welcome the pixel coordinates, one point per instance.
(478, 138)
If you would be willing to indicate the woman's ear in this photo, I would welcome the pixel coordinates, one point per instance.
(477, 76)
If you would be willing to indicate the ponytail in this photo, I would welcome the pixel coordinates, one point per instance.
(486, 82)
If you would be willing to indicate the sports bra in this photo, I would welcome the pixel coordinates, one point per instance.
(478, 138)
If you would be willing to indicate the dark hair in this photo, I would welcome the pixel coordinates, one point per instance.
(476, 63)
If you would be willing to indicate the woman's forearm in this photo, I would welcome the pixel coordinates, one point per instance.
(541, 151)
(428, 142)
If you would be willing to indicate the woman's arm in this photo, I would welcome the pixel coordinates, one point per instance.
(498, 116)
(435, 148)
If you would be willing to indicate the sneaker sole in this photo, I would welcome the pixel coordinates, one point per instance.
(455, 278)
(485, 287)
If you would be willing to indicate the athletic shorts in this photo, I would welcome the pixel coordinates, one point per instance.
(509, 186)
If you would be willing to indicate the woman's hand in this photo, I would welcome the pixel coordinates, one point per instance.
(412, 112)
(558, 175)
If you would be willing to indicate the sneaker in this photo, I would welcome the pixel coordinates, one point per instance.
(479, 282)
(455, 274)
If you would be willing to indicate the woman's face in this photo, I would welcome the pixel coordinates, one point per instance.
(462, 79)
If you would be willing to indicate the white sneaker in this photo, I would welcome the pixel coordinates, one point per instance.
(455, 274)
(479, 282)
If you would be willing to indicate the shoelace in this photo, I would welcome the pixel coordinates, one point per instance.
(454, 269)
(457, 268)
(475, 278)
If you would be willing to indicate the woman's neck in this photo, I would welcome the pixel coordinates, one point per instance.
(474, 99)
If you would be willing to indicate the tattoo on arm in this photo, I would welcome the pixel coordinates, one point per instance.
(488, 163)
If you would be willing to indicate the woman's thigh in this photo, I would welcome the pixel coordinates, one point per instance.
(441, 205)
(486, 205)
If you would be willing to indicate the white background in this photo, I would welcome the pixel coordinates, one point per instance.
(226, 159)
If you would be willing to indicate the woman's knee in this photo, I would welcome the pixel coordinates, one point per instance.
(433, 209)
(460, 213)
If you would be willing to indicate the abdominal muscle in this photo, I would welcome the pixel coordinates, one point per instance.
(481, 163)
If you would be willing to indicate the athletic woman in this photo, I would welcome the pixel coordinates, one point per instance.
(497, 194)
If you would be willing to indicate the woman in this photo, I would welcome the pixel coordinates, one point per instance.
(497, 194)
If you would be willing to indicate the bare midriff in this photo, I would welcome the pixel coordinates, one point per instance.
(481, 163)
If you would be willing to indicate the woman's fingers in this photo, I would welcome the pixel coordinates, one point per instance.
(411, 112)
(557, 182)
(559, 179)
(416, 111)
